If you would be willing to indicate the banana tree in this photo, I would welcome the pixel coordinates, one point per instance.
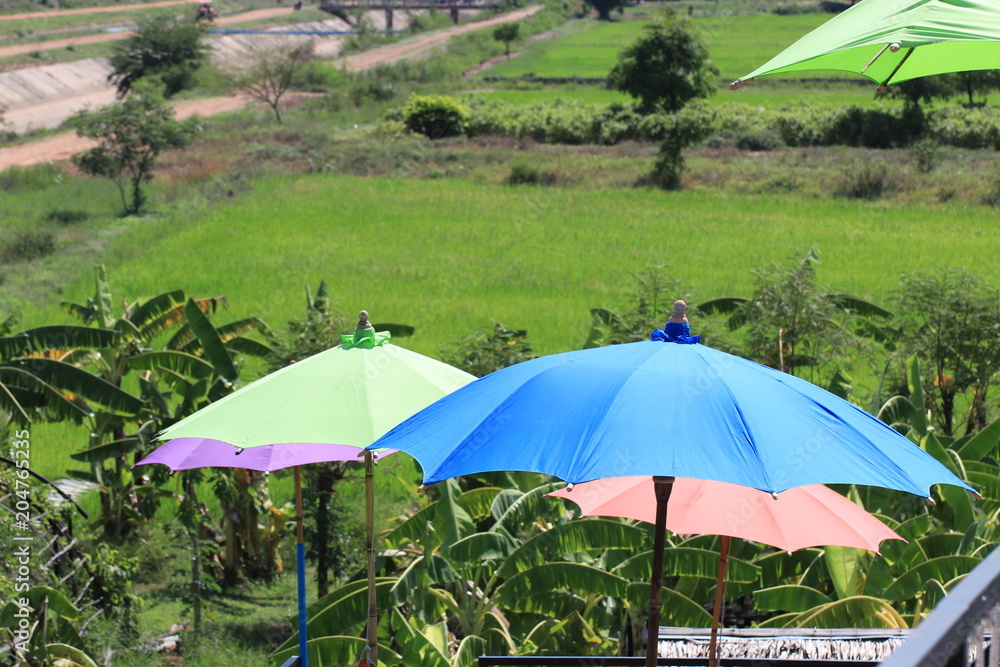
(89, 365)
(506, 569)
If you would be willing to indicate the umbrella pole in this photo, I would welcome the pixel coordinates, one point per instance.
(370, 516)
(713, 657)
(662, 487)
(300, 567)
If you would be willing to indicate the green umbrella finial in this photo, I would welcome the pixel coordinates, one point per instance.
(364, 335)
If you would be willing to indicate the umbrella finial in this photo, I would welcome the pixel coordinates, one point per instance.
(678, 316)
(677, 329)
(363, 322)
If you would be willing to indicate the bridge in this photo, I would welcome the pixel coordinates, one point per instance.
(344, 8)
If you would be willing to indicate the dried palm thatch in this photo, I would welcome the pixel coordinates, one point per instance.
(783, 643)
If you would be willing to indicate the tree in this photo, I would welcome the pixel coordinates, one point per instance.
(266, 74)
(481, 353)
(944, 86)
(950, 320)
(665, 67)
(162, 47)
(794, 324)
(605, 7)
(131, 134)
(507, 33)
(980, 82)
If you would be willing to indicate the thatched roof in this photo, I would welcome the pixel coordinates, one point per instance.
(782, 643)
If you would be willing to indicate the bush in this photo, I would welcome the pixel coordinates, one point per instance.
(29, 245)
(66, 216)
(526, 174)
(992, 198)
(757, 140)
(435, 116)
(870, 182)
(25, 179)
(926, 153)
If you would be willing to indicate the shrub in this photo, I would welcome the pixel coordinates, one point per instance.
(992, 197)
(36, 177)
(926, 153)
(870, 182)
(29, 245)
(526, 174)
(435, 116)
(757, 140)
(66, 216)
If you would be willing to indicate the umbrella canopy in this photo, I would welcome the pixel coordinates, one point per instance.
(805, 516)
(190, 453)
(801, 517)
(897, 40)
(661, 408)
(327, 407)
(668, 407)
(348, 395)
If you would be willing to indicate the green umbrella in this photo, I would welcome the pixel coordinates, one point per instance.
(327, 407)
(896, 40)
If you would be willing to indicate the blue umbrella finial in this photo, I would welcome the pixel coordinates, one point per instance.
(677, 329)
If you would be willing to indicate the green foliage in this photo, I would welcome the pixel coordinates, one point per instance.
(653, 293)
(605, 7)
(666, 67)
(869, 182)
(507, 33)
(949, 320)
(926, 153)
(27, 179)
(28, 245)
(42, 630)
(796, 325)
(481, 353)
(131, 134)
(757, 140)
(65, 216)
(266, 74)
(680, 132)
(435, 116)
(523, 173)
(162, 47)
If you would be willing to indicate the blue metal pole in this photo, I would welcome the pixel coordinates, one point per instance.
(300, 552)
(300, 568)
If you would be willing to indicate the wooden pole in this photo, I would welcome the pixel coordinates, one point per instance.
(370, 536)
(661, 487)
(713, 656)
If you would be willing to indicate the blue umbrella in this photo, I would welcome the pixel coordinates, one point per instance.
(667, 407)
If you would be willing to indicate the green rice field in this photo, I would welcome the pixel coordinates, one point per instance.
(737, 45)
(446, 255)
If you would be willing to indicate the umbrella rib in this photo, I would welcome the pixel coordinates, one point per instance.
(743, 422)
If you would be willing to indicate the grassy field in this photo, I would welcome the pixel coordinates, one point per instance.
(738, 43)
(448, 255)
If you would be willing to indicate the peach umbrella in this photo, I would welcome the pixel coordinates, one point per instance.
(801, 517)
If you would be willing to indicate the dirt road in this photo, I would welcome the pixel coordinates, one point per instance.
(62, 146)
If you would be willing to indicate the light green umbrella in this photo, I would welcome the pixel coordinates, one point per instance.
(896, 40)
(327, 407)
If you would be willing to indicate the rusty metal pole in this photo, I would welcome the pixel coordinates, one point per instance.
(713, 657)
(661, 487)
